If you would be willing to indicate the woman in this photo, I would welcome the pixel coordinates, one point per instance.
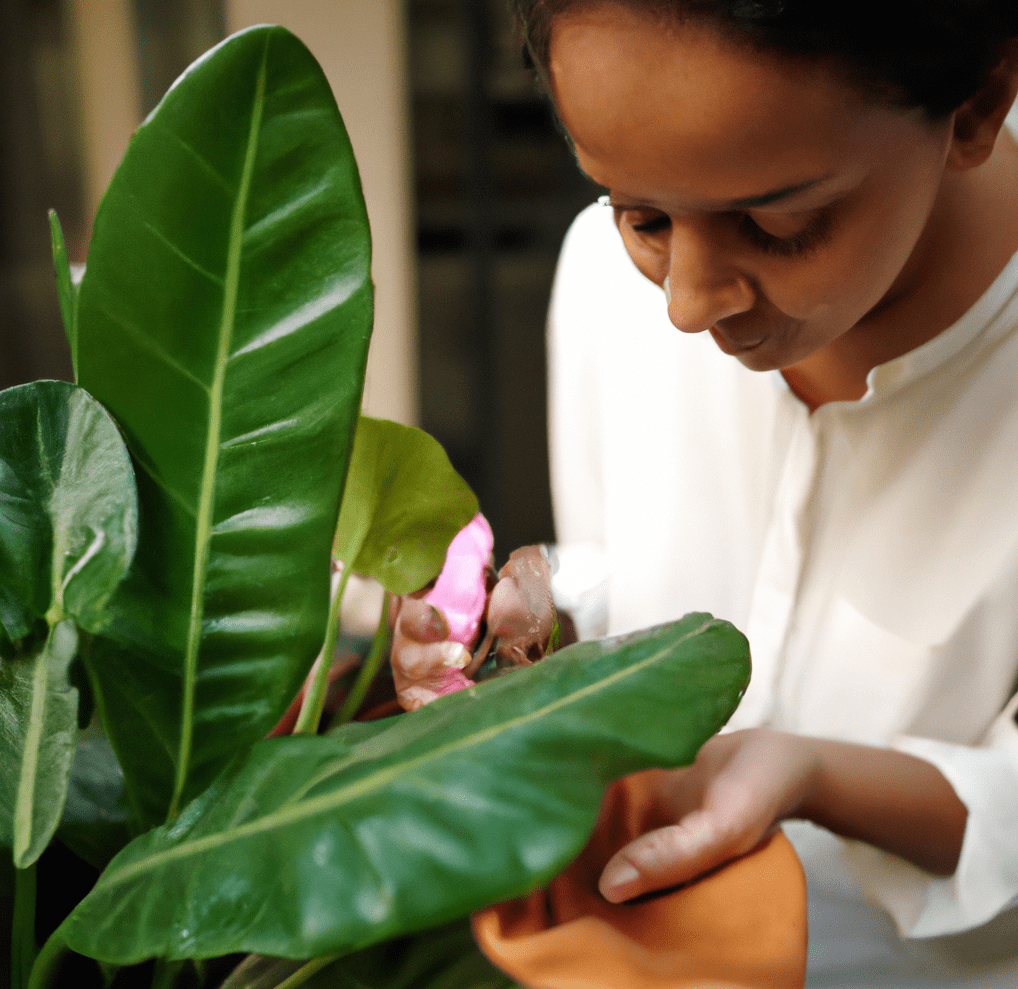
(820, 196)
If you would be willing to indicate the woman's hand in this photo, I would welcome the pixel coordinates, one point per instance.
(743, 784)
(740, 786)
(434, 648)
(426, 663)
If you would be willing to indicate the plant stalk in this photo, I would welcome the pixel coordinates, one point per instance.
(314, 697)
(47, 963)
(23, 946)
(306, 971)
(166, 973)
(379, 649)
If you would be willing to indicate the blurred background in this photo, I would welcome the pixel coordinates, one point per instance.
(469, 189)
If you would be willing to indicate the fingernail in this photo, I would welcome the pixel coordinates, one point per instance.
(455, 654)
(621, 876)
(437, 622)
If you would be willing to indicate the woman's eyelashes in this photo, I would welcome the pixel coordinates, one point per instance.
(654, 225)
(803, 241)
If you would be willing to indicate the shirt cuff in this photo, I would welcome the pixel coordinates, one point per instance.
(579, 585)
(986, 880)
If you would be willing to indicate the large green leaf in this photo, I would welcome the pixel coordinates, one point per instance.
(68, 522)
(224, 319)
(320, 845)
(403, 504)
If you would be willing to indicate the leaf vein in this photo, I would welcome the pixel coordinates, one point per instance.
(202, 161)
(186, 258)
(172, 492)
(148, 344)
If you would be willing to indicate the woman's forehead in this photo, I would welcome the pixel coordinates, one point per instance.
(659, 99)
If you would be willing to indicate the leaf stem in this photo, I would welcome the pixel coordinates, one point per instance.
(47, 963)
(314, 697)
(379, 648)
(306, 971)
(23, 946)
(166, 973)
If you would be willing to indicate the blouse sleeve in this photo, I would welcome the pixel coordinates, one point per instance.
(580, 582)
(985, 882)
(573, 407)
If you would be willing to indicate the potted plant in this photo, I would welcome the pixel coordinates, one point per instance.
(166, 530)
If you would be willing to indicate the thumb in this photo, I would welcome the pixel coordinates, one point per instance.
(420, 621)
(666, 857)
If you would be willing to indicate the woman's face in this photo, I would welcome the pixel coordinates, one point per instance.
(776, 206)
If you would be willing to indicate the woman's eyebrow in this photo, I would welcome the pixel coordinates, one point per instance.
(748, 202)
(766, 198)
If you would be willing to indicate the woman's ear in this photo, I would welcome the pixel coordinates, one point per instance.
(978, 121)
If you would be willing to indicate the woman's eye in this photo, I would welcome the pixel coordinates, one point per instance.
(653, 225)
(801, 239)
(778, 234)
(639, 219)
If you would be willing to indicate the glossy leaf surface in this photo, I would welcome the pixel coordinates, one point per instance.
(320, 845)
(224, 319)
(403, 504)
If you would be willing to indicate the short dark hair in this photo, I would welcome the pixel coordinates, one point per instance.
(934, 54)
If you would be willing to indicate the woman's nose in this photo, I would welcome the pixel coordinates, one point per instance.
(700, 286)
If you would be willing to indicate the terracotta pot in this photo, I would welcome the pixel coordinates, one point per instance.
(743, 926)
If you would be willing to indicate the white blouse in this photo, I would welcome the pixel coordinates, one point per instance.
(868, 550)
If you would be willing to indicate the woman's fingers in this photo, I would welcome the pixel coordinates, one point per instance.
(672, 855)
(426, 663)
(739, 788)
(421, 622)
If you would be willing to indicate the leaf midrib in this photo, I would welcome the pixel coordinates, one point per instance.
(291, 812)
(206, 503)
(24, 808)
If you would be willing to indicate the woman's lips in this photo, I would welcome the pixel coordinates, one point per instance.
(733, 346)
